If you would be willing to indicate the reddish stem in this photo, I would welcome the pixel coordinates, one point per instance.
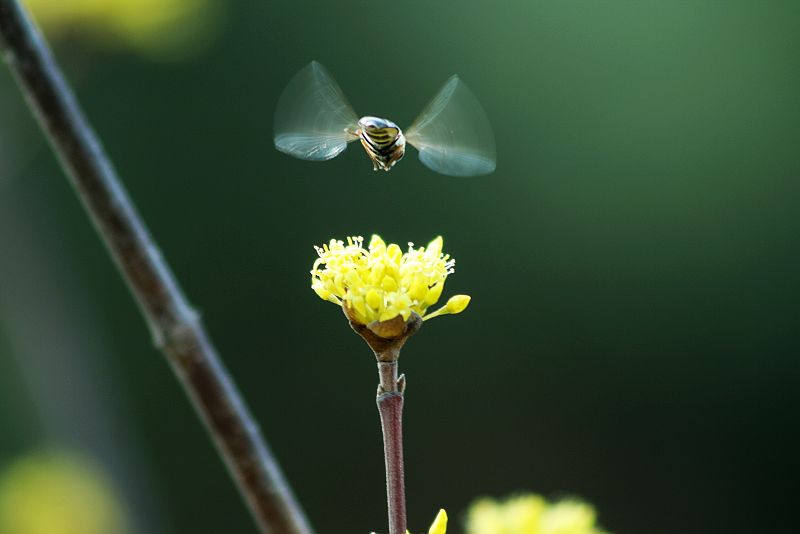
(390, 406)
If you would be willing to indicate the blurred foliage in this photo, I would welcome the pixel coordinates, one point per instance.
(157, 28)
(531, 514)
(58, 493)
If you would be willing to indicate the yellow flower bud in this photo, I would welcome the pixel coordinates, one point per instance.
(439, 525)
(323, 293)
(394, 251)
(338, 285)
(360, 309)
(418, 289)
(389, 284)
(458, 303)
(388, 314)
(377, 273)
(374, 299)
(376, 244)
(434, 248)
(432, 297)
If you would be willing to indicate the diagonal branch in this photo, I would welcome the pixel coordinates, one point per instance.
(177, 331)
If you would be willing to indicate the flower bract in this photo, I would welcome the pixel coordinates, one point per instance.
(381, 282)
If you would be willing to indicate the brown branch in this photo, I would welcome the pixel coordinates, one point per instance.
(390, 407)
(177, 331)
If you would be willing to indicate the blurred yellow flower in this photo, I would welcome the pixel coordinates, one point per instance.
(58, 494)
(531, 514)
(381, 282)
(152, 26)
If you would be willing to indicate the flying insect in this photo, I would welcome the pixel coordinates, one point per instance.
(315, 122)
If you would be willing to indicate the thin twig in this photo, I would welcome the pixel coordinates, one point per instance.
(390, 407)
(177, 331)
(386, 339)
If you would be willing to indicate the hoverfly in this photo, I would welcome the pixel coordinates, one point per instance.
(314, 121)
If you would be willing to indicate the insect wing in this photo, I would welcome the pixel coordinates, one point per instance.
(453, 134)
(313, 120)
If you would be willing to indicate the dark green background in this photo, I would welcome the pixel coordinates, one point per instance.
(633, 263)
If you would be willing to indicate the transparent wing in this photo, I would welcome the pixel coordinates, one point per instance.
(313, 120)
(453, 134)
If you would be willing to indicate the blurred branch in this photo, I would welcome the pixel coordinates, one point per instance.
(177, 331)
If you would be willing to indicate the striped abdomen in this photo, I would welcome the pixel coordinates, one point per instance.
(383, 140)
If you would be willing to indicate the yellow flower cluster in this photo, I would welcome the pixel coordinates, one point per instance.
(531, 514)
(58, 494)
(381, 282)
(151, 26)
